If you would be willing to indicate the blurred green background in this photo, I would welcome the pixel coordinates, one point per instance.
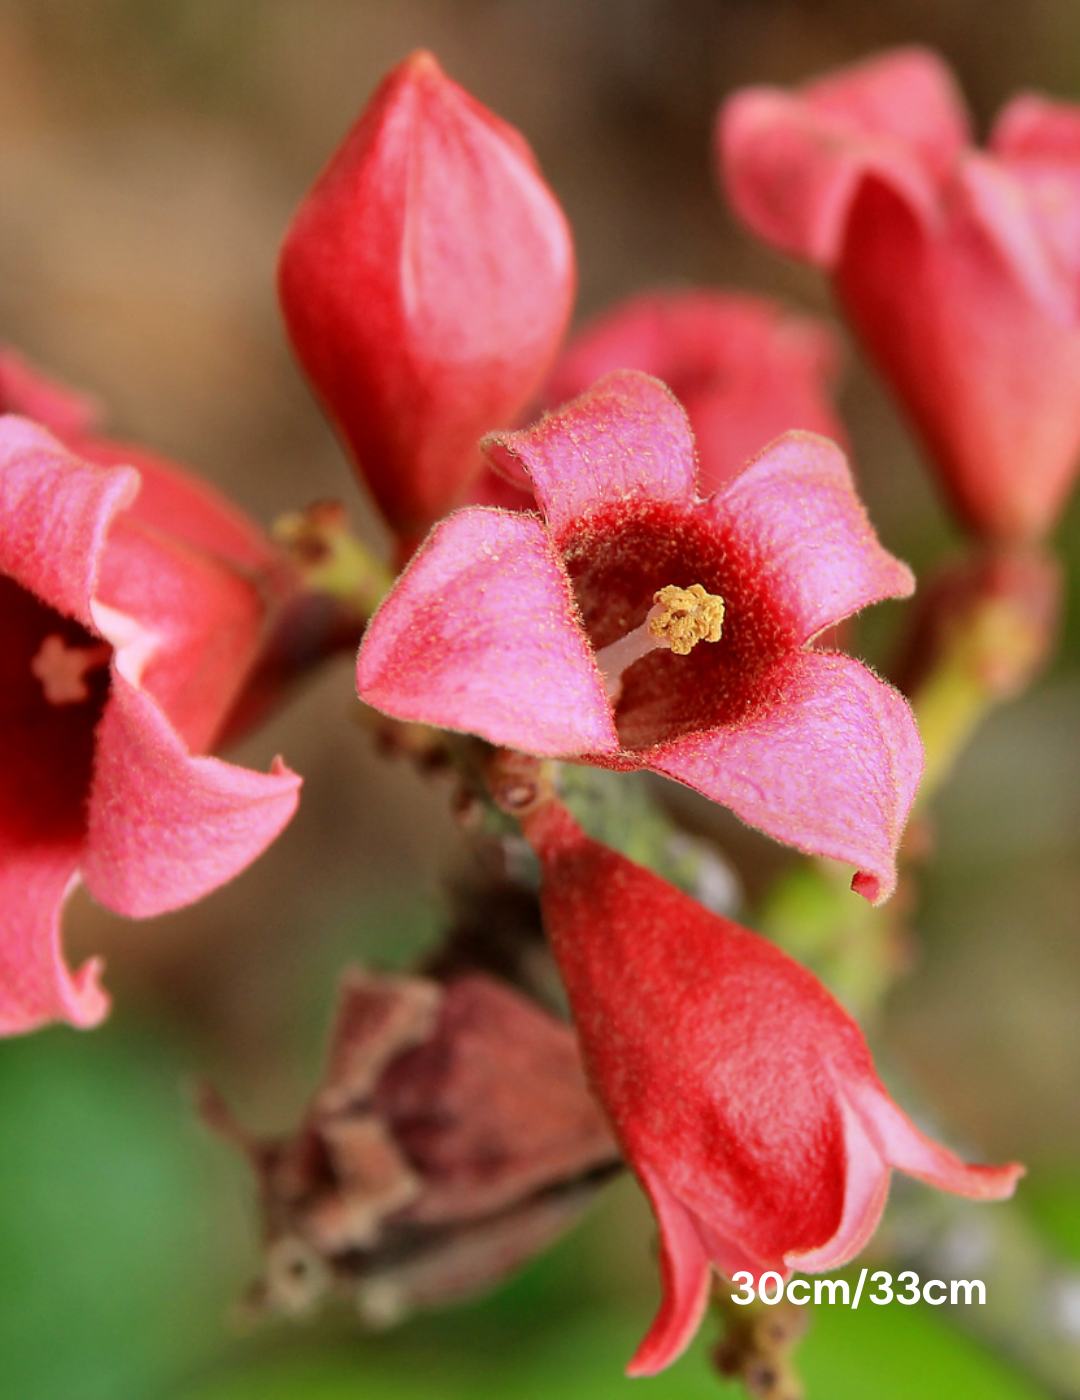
(151, 152)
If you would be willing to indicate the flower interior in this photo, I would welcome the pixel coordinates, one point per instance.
(55, 678)
(618, 557)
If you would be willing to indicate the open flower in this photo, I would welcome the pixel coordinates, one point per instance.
(637, 626)
(128, 627)
(426, 282)
(742, 1094)
(744, 369)
(960, 269)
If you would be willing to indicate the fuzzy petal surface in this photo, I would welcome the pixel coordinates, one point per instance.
(626, 439)
(744, 369)
(481, 634)
(36, 986)
(830, 766)
(164, 827)
(795, 513)
(686, 1274)
(55, 511)
(743, 1095)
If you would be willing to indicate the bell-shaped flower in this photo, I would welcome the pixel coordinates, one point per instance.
(744, 369)
(636, 625)
(129, 622)
(960, 269)
(426, 283)
(742, 1094)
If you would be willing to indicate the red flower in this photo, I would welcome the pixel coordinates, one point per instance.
(744, 370)
(129, 622)
(960, 270)
(546, 635)
(426, 283)
(743, 1096)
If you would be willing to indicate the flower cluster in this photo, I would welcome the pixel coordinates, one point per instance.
(631, 553)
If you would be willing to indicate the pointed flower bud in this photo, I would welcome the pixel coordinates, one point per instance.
(536, 633)
(426, 282)
(959, 268)
(743, 1096)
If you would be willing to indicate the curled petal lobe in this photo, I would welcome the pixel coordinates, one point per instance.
(831, 766)
(166, 828)
(686, 1275)
(55, 511)
(626, 439)
(481, 634)
(36, 986)
(904, 1147)
(866, 1187)
(794, 511)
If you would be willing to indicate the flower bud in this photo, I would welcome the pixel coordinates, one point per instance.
(426, 282)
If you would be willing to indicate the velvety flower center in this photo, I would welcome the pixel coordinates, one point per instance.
(53, 683)
(619, 557)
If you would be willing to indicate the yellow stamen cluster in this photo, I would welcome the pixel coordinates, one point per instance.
(685, 616)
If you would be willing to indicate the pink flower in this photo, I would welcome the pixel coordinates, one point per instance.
(743, 1096)
(129, 622)
(426, 282)
(960, 270)
(744, 370)
(562, 636)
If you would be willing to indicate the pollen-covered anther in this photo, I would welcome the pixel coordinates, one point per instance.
(683, 617)
(677, 621)
(62, 669)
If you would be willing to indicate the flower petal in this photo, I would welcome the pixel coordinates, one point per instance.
(186, 508)
(66, 412)
(176, 604)
(794, 511)
(830, 765)
(165, 828)
(686, 1275)
(627, 439)
(908, 1150)
(54, 514)
(793, 173)
(35, 984)
(481, 634)
(907, 95)
(744, 369)
(866, 1187)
